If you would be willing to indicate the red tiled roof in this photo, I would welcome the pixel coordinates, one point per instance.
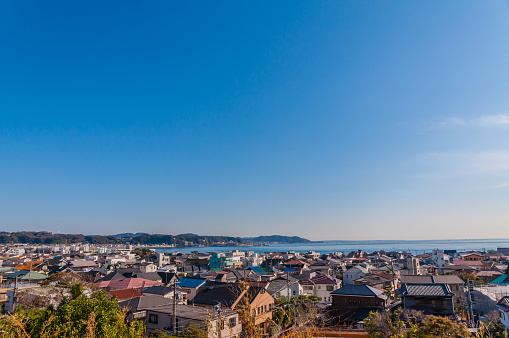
(128, 283)
(489, 273)
(122, 294)
(328, 280)
(468, 263)
(295, 262)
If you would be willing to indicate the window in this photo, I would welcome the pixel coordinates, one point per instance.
(329, 288)
(152, 319)
(232, 322)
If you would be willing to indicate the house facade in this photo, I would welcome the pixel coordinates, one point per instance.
(436, 299)
(354, 273)
(321, 286)
(503, 309)
(217, 322)
(350, 301)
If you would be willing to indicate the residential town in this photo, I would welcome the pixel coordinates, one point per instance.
(338, 293)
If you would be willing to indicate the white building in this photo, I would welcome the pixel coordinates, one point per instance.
(15, 252)
(353, 274)
(440, 259)
(321, 286)
(252, 260)
(503, 309)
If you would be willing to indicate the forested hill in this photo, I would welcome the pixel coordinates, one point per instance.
(277, 239)
(183, 240)
(43, 237)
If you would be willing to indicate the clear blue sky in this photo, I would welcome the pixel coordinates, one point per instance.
(324, 119)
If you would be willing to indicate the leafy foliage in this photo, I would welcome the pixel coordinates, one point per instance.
(297, 310)
(465, 276)
(414, 325)
(439, 327)
(97, 316)
(190, 331)
(385, 325)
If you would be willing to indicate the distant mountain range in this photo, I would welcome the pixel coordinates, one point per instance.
(144, 237)
(129, 234)
(277, 239)
(141, 238)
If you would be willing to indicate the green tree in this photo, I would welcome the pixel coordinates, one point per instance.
(465, 276)
(97, 316)
(385, 325)
(76, 290)
(439, 327)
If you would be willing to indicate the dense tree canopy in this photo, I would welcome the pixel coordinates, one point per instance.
(80, 316)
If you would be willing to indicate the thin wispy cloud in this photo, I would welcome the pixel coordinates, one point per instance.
(494, 120)
(487, 120)
(452, 121)
(447, 165)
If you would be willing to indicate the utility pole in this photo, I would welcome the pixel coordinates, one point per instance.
(174, 307)
(393, 278)
(470, 285)
(294, 314)
(287, 285)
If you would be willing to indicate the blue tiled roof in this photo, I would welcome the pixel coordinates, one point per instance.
(191, 282)
(17, 273)
(502, 280)
(257, 270)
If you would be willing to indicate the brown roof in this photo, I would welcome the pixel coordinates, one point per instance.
(125, 293)
(429, 279)
(468, 263)
(387, 276)
(295, 262)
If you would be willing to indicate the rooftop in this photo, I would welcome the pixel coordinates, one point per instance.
(359, 290)
(426, 290)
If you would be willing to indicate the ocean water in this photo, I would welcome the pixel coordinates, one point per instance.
(416, 247)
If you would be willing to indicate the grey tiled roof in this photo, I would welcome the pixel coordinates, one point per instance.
(143, 302)
(429, 279)
(426, 290)
(448, 279)
(158, 290)
(359, 290)
(278, 285)
(416, 279)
